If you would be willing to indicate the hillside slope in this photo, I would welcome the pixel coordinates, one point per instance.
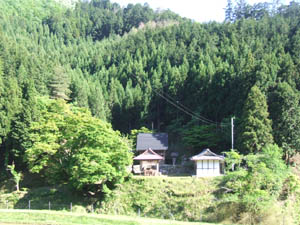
(136, 67)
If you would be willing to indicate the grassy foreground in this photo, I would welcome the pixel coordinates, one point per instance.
(39, 217)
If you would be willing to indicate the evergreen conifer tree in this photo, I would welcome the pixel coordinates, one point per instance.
(19, 136)
(255, 128)
(285, 114)
(59, 85)
(229, 11)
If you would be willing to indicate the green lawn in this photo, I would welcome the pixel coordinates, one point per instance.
(39, 217)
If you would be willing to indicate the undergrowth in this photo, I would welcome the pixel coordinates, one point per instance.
(185, 198)
(176, 198)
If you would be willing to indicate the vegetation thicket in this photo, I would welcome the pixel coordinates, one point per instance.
(257, 186)
(166, 197)
(71, 76)
(68, 145)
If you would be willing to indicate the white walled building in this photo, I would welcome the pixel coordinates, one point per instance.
(208, 164)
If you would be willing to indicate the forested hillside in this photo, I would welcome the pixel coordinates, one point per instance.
(135, 67)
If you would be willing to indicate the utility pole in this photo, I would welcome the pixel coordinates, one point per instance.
(232, 133)
(177, 113)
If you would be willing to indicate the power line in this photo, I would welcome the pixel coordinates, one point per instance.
(182, 107)
(188, 109)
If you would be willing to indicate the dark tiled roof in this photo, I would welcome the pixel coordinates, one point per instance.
(158, 141)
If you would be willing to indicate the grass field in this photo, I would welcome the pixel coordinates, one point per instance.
(41, 217)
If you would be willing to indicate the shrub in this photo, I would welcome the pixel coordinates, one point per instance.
(255, 185)
(78, 209)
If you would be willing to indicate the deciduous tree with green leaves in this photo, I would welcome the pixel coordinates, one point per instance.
(200, 137)
(135, 132)
(69, 145)
(256, 183)
(17, 176)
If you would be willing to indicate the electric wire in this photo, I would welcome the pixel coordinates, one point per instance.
(180, 108)
(183, 108)
(188, 109)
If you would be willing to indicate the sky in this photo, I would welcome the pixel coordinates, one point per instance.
(198, 10)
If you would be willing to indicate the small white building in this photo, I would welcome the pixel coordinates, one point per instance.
(208, 164)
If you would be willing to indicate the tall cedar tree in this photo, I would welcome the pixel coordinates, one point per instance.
(255, 127)
(59, 85)
(229, 11)
(285, 114)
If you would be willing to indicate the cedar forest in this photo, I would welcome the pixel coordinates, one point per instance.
(65, 71)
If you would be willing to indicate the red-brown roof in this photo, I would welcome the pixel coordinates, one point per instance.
(148, 155)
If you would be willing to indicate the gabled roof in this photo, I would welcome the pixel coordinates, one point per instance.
(149, 155)
(207, 154)
(158, 141)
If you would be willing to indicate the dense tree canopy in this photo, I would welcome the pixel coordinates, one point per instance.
(134, 67)
(76, 81)
(68, 145)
